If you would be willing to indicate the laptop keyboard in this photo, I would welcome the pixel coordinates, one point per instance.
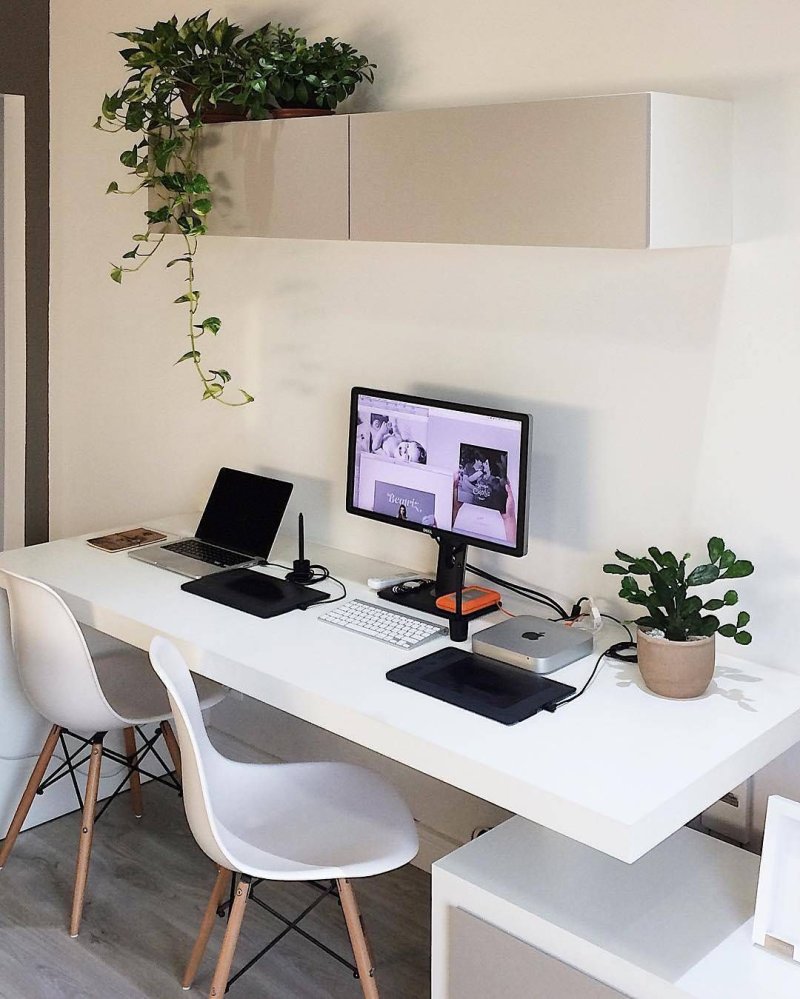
(205, 552)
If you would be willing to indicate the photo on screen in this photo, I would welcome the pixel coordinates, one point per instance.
(482, 476)
(399, 436)
(403, 503)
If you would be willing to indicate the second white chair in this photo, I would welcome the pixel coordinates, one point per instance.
(280, 822)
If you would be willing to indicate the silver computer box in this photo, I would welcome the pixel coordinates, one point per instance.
(533, 643)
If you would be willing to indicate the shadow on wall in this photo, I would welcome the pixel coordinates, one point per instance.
(559, 467)
(311, 496)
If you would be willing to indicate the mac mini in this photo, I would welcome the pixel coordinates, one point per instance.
(533, 643)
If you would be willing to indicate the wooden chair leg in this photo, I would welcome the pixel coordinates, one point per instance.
(223, 969)
(206, 926)
(29, 793)
(85, 841)
(358, 939)
(173, 747)
(135, 780)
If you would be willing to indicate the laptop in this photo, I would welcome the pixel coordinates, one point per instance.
(237, 529)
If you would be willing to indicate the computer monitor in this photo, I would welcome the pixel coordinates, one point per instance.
(456, 472)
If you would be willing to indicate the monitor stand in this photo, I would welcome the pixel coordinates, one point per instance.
(449, 578)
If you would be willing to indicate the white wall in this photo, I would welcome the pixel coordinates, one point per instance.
(661, 382)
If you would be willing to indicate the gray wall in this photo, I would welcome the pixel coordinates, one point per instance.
(24, 69)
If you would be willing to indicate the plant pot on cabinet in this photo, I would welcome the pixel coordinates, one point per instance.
(298, 112)
(676, 669)
(212, 114)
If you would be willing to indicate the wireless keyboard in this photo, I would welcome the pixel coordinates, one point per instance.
(404, 631)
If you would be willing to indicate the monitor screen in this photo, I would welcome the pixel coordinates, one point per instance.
(450, 470)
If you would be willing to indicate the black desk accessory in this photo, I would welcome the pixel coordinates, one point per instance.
(506, 694)
(459, 625)
(254, 592)
(301, 567)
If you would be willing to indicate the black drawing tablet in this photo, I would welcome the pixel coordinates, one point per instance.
(254, 592)
(495, 690)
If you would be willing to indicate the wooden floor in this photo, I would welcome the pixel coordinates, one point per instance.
(148, 885)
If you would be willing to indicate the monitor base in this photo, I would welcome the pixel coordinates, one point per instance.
(423, 598)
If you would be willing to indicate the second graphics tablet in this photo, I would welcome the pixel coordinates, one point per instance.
(506, 694)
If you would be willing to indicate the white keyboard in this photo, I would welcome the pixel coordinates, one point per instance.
(392, 627)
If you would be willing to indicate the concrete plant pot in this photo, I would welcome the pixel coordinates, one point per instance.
(676, 669)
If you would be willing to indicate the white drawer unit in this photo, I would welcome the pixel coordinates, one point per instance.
(524, 913)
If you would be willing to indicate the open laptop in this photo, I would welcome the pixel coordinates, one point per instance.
(237, 529)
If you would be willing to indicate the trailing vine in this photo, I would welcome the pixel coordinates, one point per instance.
(163, 65)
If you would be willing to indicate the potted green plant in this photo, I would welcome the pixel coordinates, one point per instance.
(180, 77)
(285, 76)
(195, 61)
(676, 635)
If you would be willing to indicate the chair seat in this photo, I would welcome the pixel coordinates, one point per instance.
(308, 821)
(131, 686)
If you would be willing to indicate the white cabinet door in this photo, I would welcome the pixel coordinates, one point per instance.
(486, 963)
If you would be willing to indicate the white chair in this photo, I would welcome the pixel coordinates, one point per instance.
(113, 691)
(280, 822)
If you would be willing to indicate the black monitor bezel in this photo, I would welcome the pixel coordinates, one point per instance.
(453, 537)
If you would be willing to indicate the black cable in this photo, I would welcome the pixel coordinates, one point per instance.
(622, 624)
(320, 574)
(613, 652)
(521, 590)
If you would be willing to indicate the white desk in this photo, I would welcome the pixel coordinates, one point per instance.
(618, 770)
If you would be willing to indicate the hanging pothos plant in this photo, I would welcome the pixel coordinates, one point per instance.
(200, 62)
(181, 75)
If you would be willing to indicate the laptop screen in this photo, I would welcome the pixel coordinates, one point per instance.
(244, 512)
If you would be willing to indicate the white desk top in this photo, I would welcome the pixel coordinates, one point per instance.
(618, 770)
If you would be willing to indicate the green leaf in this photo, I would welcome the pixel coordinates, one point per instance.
(702, 574)
(743, 638)
(112, 188)
(727, 559)
(190, 355)
(716, 546)
(221, 373)
(713, 605)
(130, 254)
(739, 569)
(727, 630)
(247, 396)
(731, 597)
(742, 619)
(130, 158)
(116, 274)
(708, 625)
(212, 391)
(189, 296)
(202, 206)
(623, 557)
(160, 215)
(211, 325)
(180, 260)
(140, 237)
(615, 570)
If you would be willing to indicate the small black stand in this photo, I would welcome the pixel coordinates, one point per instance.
(421, 594)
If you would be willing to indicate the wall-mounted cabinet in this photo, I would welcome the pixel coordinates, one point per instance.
(278, 178)
(626, 171)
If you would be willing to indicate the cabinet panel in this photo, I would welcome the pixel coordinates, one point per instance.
(278, 178)
(484, 961)
(550, 173)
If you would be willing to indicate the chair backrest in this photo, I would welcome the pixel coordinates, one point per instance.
(54, 662)
(200, 762)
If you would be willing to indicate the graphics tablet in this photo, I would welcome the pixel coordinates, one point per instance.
(506, 694)
(254, 592)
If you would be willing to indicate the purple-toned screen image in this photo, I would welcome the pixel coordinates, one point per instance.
(482, 477)
(403, 503)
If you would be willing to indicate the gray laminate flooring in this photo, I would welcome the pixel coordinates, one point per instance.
(148, 886)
